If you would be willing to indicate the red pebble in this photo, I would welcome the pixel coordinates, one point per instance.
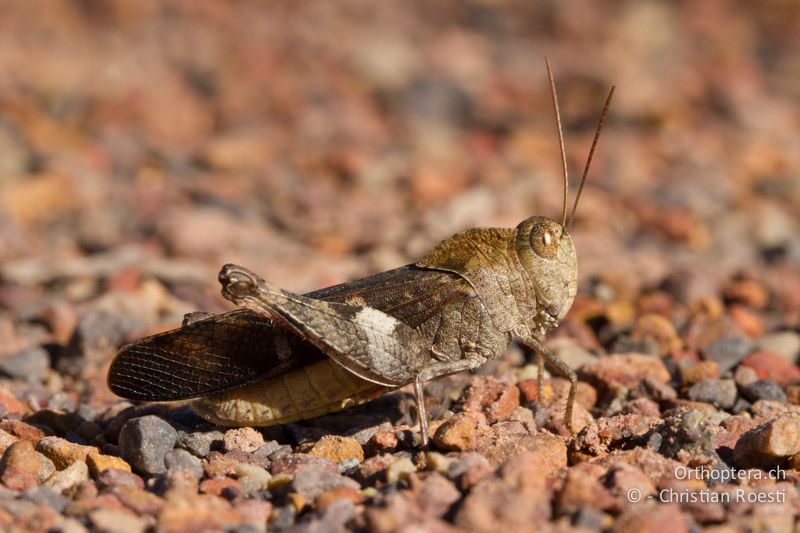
(769, 365)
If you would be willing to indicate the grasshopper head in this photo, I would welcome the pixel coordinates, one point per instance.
(546, 251)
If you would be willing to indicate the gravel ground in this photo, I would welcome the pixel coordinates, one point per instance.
(144, 144)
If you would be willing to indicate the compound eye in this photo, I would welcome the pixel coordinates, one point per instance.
(544, 241)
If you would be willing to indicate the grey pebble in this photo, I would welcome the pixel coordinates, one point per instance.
(728, 352)
(61, 401)
(465, 462)
(764, 389)
(95, 332)
(741, 406)
(784, 343)
(180, 458)
(30, 364)
(69, 477)
(720, 393)
(46, 467)
(145, 441)
(44, 495)
(347, 464)
(200, 443)
(693, 431)
(311, 482)
(282, 451)
(267, 449)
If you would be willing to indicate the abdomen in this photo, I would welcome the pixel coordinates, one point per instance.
(314, 390)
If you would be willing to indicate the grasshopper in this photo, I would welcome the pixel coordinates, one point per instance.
(285, 357)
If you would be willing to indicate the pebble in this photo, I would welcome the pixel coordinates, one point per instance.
(180, 458)
(10, 404)
(607, 432)
(200, 443)
(311, 482)
(252, 478)
(327, 498)
(784, 343)
(495, 398)
(793, 393)
(654, 390)
(381, 442)
(460, 432)
(97, 334)
(372, 471)
(246, 439)
(114, 477)
(255, 514)
(642, 406)
(555, 389)
(728, 352)
(700, 371)
(179, 482)
(46, 468)
(744, 376)
(21, 456)
(293, 463)
(748, 321)
(769, 365)
(22, 468)
(21, 430)
(138, 499)
(512, 499)
(31, 364)
(720, 393)
(67, 478)
(219, 465)
(144, 443)
(197, 512)
(337, 448)
(399, 469)
(583, 487)
(468, 469)
(622, 478)
(658, 330)
(764, 389)
(46, 496)
(770, 443)
(99, 463)
(626, 370)
(63, 452)
(224, 487)
(118, 521)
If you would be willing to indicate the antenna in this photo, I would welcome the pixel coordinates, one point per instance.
(591, 153)
(560, 140)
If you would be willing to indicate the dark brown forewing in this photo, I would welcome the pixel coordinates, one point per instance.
(241, 346)
(206, 356)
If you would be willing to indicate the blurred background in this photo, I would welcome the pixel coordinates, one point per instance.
(144, 144)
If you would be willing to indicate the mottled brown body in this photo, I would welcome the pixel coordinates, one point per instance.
(454, 322)
(459, 307)
(288, 357)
